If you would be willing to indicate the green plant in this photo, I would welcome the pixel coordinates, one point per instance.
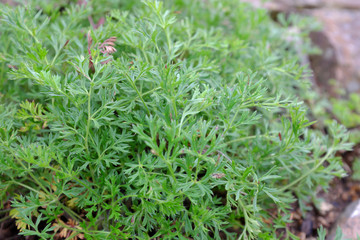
(347, 111)
(322, 233)
(171, 120)
(356, 169)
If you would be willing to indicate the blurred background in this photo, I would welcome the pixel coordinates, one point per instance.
(338, 65)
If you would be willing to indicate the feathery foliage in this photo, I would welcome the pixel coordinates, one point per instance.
(170, 120)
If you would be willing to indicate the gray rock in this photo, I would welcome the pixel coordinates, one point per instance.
(339, 39)
(325, 207)
(270, 5)
(349, 222)
(9, 2)
(348, 4)
(341, 28)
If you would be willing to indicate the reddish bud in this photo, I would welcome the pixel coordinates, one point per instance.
(66, 43)
(12, 66)
(100, 22)
(82, 2)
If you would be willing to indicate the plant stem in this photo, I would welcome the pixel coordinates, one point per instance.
(137, 91)
(309, 172)
(246, 138)
(5, 218)
(88, 119)
(25, 186)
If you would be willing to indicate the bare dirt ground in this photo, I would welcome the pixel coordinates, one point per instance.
(341, 193)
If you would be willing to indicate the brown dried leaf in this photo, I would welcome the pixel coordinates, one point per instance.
(218, 175)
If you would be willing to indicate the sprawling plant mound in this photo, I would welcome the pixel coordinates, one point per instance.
(174, 120)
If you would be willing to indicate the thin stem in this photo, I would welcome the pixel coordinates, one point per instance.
(5, 218)
(309, 172)
(68, 210)
(224, 155)
(59, 222)
(57, 54)
(3, 71)
(25, 186)
(36, 180)
(127, 102)
(73, 214)
(246, 138)
(4, 211)
(144, 53)
(31, 34)
(174, 105)
(167, 33)
(137, 91)
(88, 119)
(29, 172)
(168, 164)
(246, 218)
(171, 170)
(235, 115)
(76, 180)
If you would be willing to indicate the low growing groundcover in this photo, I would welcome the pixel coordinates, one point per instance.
(157, 120)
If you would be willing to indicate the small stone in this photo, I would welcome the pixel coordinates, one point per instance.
(345, 196)
(325, 207)
(349, 222)
(307, 225)
(343, 46)
(302, 236)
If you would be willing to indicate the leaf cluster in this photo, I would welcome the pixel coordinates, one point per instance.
(192, 128)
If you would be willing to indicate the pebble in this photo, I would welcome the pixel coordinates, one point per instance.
(349, 222)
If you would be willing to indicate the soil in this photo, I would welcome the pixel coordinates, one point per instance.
(342, 192)
(8, 230)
